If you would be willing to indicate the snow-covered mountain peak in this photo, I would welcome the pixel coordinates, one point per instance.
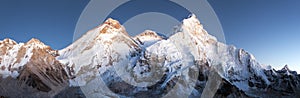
(35, 43)
(114, 23)
(14, 57)
(110, 30)
(34, 40)
(5, 45)
(7, 41)
(104, 46)
(111, 26)
(193, 25)
(31, 65)
(193, 28)
(148, 37)
(286, 67)
(149, 33)
(287, 70)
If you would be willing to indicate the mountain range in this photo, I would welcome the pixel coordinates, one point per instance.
(108, 62)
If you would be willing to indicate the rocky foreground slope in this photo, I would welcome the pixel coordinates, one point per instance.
(107, 62)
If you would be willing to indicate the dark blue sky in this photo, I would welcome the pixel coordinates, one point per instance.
(270, 29)
(51, 21)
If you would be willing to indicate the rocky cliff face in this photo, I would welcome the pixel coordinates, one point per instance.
(107, 62)
(31, 70)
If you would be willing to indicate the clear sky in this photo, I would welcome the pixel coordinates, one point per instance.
(269, 29)
(51, 21)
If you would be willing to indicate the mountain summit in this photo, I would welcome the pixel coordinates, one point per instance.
(107, 62)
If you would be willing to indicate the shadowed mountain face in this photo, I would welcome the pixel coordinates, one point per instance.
(107, 62)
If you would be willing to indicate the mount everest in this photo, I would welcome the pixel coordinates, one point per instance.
(107, 62)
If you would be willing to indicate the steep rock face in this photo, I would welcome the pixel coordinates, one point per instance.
(43, 71)
(32, 67)
(226, 89)
(284, 81)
